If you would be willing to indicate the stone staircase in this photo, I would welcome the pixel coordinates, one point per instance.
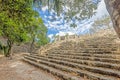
(94, 59)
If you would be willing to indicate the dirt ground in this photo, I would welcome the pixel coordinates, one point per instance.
(16, 69)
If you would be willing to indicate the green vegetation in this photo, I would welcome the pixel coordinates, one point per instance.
(105, 21)
(37, 33)
(85, 8)
(19, 22)
(101, 24)
(71, 9)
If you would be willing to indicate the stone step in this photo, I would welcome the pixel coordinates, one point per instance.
(98, 49)
(62, 75)
(79, 50)
(87, 62)
(108, 60)
(106, 43)
(92, 76)
(91, 44)
(102, 46)
(113, 56)
(85, 46)
(92, 51)
(100, 70)
(80, 47)
(73, 50)
(94, 45)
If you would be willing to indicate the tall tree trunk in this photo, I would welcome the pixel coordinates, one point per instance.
(113, 7)
(32, 46)
(9, 46)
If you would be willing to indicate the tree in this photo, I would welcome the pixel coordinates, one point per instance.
(114, 11)
(85, 7)
(38, 33)
(15, 19)
(102, 23)
(73, 25)
(78, 9)
(105, 21)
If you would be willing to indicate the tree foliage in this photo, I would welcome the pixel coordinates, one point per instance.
(99, 24)
(17, 17)
(79, 9)
(38, 33)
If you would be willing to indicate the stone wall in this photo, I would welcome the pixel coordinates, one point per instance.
(69, 37)
(20, 48)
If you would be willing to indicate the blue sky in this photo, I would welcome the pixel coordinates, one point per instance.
(61, 27)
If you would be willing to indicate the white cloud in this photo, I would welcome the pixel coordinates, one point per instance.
(101, 10)
(50, 36)
(64, 33)
(52, 11)
(45, 8)
(66, 8)
(61, 33)
(70, 33)
(45, 16)
(50, 17)
(56, 22)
